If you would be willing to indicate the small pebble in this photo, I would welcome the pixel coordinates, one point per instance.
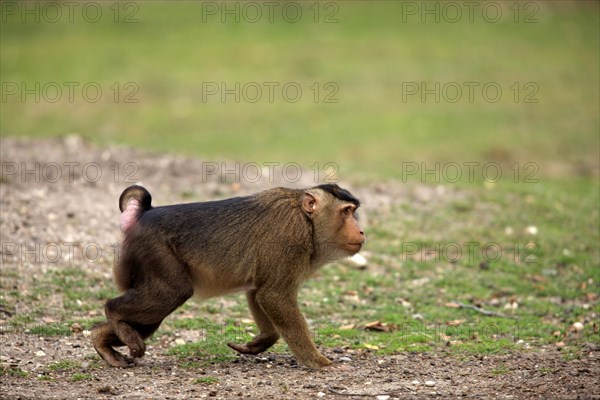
(429, 383)
(104, 389)
(358, 260)
(383, 397)
(578, 326)
(345, 359)
(532, 230)
(416, 383)
(40, 354)
(320, 394)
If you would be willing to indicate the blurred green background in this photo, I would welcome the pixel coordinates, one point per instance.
(543, 55)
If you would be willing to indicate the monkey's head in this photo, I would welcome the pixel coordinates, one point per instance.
(333, 212)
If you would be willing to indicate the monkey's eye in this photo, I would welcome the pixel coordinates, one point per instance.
(347, 211)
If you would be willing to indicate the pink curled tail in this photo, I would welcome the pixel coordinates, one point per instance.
(133, 202)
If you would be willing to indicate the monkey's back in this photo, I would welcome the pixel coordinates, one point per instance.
(218, 239)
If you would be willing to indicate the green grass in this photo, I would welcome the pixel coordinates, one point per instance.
(64, 365)
(501, 369)
(409, 291)
(209, 353)
(54, 329)
(547, 370)
(205, 380)
(78, 377)
(34, 326)
(13, 371)
(371, 134)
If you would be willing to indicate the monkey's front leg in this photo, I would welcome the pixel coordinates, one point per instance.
(284, 313)
(268, 334)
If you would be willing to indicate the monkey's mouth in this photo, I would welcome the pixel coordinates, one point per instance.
(354, 247)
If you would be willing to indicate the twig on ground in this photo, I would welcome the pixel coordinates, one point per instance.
(6, 311)
(484, 312)
(334, 391)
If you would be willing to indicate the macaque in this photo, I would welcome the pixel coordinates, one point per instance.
(265, 244)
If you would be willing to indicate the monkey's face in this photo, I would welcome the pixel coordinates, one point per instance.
(350, 237)
(336, 226)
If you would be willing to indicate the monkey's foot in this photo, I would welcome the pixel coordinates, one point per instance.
(138, 349)
(260, 343)
(115, 358)
(130, 338)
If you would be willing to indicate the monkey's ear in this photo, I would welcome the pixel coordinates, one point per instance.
(309, 203)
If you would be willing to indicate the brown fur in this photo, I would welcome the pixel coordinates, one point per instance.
(266, 244)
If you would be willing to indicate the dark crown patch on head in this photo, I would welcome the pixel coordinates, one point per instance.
(340, 193)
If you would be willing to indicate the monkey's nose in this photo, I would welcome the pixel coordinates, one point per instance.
(364, 237)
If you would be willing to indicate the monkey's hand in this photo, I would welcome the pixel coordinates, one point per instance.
(260, 343)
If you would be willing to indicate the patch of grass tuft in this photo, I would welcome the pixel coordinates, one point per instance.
(205, 380)
(13, 371)
(64, 365)
(81, 377)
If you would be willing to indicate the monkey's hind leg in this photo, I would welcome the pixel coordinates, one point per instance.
(104, 339)
(134, 316)
(268, 334)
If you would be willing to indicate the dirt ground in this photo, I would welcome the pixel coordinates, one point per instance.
(79, 206)
(544, 374)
